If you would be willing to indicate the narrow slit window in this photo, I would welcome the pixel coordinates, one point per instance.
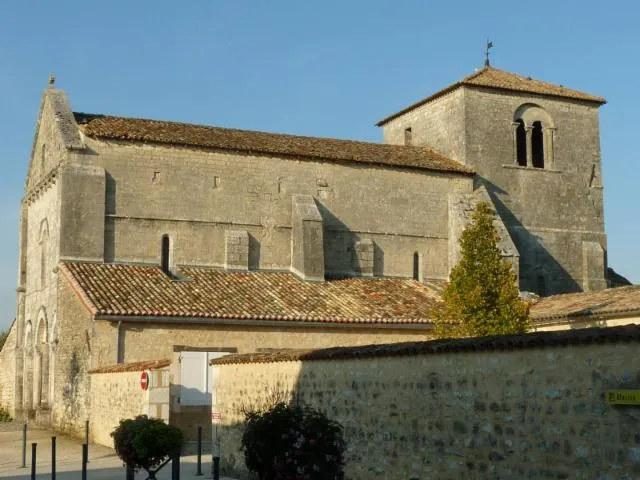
(417, 267)
(43, 262)
(165, 263)
(542, 286)
(408, 136)
(43, 156)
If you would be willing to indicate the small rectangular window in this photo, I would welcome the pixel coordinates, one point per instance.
(407, 136)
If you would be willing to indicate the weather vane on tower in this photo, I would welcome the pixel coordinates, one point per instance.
(486, 54)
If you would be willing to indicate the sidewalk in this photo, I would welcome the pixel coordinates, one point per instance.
(103, 462)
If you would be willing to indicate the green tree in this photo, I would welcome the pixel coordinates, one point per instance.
(482, 297)
(3, 337)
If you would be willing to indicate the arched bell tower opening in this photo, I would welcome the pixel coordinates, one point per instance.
(533, 132)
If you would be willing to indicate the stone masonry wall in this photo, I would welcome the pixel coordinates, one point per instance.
(73, 355)
(148, 341)
(532, 413)
(114, 397)
(195, 196)
(8, 371)
(39, 254)
(439, 124)
(550, 211)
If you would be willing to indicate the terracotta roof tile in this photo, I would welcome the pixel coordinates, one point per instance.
(130, 290)
(261, 143)
(604, 302)
(491, 77)
(627, 333)
(133, 367)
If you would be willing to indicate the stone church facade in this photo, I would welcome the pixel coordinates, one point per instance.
(140, 239)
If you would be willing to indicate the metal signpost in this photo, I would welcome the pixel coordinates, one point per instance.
(216, 418)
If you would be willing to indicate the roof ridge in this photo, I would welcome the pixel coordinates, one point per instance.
(552, 89)
(261, 132)
(475, 74)
(255, 142)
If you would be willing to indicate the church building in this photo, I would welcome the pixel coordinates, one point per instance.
(149, 240)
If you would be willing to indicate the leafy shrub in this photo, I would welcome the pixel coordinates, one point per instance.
(3, 337)
(291, 442)
(4, 415)
(145, 442)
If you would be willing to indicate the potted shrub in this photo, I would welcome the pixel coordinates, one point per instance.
(292, 442)
(146, 443)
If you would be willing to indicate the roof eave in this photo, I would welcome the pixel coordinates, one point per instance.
(584, 317)
(381, 324)
(593, 99)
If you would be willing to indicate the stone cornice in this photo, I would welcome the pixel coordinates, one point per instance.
(42, 186)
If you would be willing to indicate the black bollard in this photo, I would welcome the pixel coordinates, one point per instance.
(53, 458)
(24, 446)
(216, 468)
(130, 473)
(33, 460)
(199, 465)
(85, 455)
(175, 467)
(215, 464)
(86, 437)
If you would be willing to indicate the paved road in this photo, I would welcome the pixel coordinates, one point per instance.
(103, 462)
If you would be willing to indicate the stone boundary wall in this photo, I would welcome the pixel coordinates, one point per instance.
(527, 406)
(8, 371)
(116, 395)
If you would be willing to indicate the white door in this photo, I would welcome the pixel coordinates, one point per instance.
(196, 382)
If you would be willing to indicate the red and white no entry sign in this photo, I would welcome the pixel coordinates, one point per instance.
(216, 417)
(144, 380)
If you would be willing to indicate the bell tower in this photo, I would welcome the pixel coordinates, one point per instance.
(535, 146)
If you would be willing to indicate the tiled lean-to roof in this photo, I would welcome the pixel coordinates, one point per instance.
(609, 302)
(584, 336)
(263, 143)
(133, 366)
(145, 291)
(490, 77)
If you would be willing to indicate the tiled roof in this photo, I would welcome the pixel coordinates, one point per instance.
(133, 367)
(491, 77)
(627, 333)
(263, 143)
(128, 290)
(610, 301)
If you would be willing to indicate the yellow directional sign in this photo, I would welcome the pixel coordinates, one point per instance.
(623, 397)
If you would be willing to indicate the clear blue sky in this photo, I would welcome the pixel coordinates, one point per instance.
(326, 68)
